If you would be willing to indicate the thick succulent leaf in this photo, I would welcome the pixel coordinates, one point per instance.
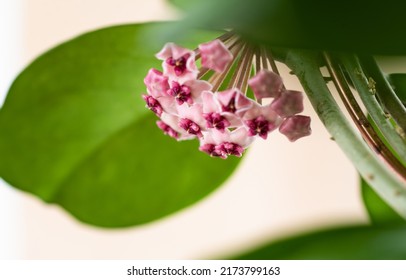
(383, 242)
(398, 82)
(378, 210)
(74, 131)
(376, 27)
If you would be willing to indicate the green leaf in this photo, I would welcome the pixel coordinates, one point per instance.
(74, 131)
(362, 242)
(378, 210)
(182, 4)
(398, 81)
(374, 28)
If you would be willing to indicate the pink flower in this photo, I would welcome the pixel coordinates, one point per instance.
(260, 120)
(214, 115)
(160, 104)
(217, 121)
(181, 93)
(190, 127)
(227, 121)
(157, 99)
(213, 150)
(178, 63)
(153, 104)
(157, 84)
(266, 84)
(218, 144)
(233, 101)
(191, 119)
(295, 127)
(215, 55)
(189, 92)
(169, 124)
(288, 104)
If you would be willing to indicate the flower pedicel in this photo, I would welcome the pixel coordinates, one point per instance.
(211, 103)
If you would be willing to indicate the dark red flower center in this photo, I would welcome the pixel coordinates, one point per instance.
(258, 126)
(231, 149)
(181, 93)
(179, 65)
(230, 107)
(153, 104)
(215, 120)
(190, 127)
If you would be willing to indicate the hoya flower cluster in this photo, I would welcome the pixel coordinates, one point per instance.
(194, 103)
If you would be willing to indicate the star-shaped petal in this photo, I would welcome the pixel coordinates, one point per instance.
(215, 55)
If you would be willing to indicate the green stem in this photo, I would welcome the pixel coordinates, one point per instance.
(390, 187)
(388, 97)
(366, 91)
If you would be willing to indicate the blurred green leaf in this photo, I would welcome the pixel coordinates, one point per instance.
(363, 242)
(378, 210)
(75, 131)
(182, 4)
(398, 82)
(376, 27)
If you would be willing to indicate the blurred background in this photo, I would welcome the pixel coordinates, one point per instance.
(280, 189)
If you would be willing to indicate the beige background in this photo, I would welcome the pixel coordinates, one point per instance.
(280, 188)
